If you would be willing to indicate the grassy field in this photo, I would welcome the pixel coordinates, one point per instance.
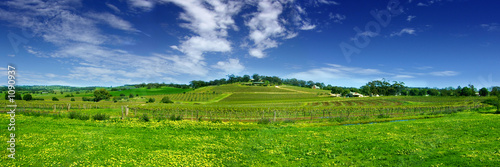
(235, 125)
(461, 139)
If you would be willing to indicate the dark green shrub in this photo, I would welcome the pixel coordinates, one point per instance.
(55, 99)
(151, 100)
(166, 100)
(83, 117)
(72, 99)
(144, 118)
(73, 115)
(100, 116)
(216, 121)
(338, 119)
(263, 121)
(383, 116)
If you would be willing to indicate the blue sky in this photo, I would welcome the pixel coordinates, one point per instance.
(428, 43)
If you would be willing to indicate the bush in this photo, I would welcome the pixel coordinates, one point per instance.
(55, 99)
(383, 116)
(39, 98)
(100, 116)
(263, 121)
(87, 99)
(175, 118)
(166, 100)
(83, 117)
(216, 121)
(144, 118)
(72, 99)
(101, 94)
(28, 97)
(151, 100)
(73, 115)
(338, 119)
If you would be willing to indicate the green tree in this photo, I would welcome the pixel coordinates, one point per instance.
(246, 78)
(466, 91)
(495, 91)
(483, 92)
(414, 92)
(131, 96)
(101, 94)
(166, 100)
(27, 97)
(72, 99)
(494, 102)
(433, 92)
(256, 77)
(55, 99)
(17, 96)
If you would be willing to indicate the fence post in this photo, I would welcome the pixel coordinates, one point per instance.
(126, 110)
(274, 116)
(69, 106)
(122, 112)
(54, 108)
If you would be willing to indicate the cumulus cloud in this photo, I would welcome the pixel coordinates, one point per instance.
(264, 25)
(232, 66)
(210, 22)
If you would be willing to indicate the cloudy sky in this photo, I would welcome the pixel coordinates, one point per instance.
(428, 43)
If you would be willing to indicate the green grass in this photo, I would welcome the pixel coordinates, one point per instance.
(305, 89)
(462, 139)
(233, 88)
(153, 91)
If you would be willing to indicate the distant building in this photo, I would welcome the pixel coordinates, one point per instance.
(356, 94)
(316, 87)
(335, 95)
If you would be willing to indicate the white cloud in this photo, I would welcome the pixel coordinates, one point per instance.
(263, 26)
(337, 18)
(58, 23)
(328, 2)
(409, 31)
(422, 4)
(210, 22)
(403, 76)
(424, 68)
(307, 27)
(410, 17)
(11, 55)
(444, 73)
(113, 7)
(335, 71)
(491, 26)
(291, 35)
(368, 34)
(232, 66)
(145, 5)
(113, 21)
